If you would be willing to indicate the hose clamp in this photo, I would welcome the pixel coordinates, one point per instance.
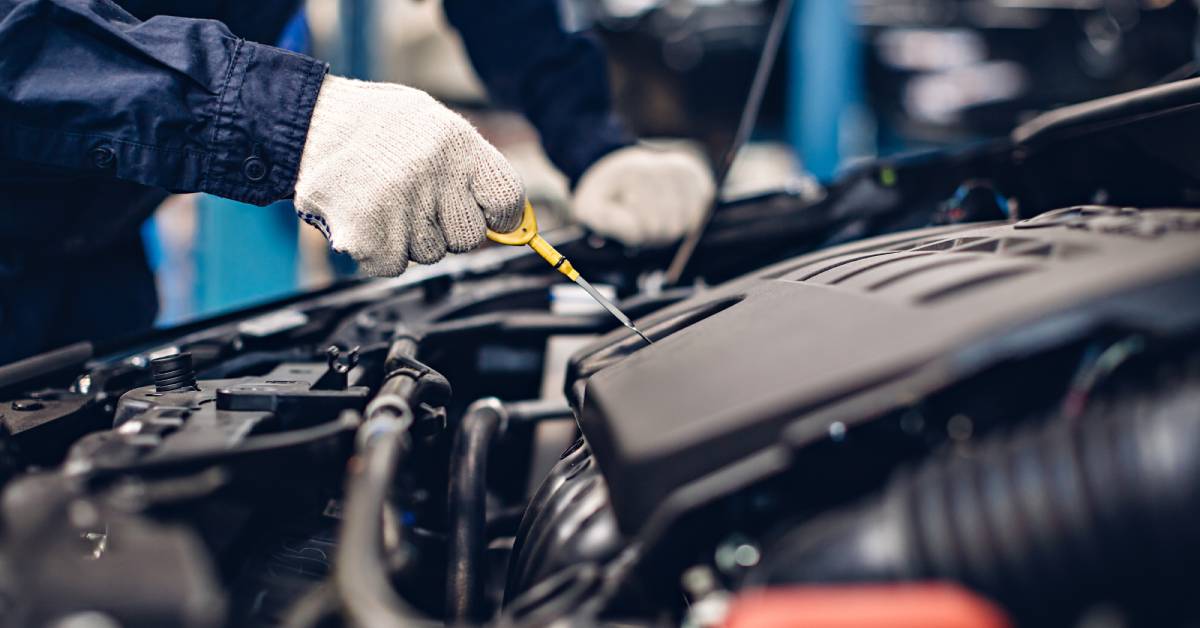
(386, 415)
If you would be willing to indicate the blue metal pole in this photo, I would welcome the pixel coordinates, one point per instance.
(354, 16)
(825, 82)
(246, 254)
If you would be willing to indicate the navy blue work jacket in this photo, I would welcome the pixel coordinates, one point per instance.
(105, 106)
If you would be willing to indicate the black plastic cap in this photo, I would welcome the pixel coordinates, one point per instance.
(173, 373)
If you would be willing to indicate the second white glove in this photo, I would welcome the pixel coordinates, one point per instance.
(391, 175)
(641, 195)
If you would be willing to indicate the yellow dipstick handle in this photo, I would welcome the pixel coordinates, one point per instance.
(527, 233)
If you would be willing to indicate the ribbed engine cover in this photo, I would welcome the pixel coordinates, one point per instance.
(741, 375)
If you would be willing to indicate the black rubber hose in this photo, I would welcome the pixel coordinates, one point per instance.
(405, 344)
(27, 370)
(360, 569)
(415, 382)
(482, 423)
(467, 503)
(536, 410)
(407, 381)
(1045, 521)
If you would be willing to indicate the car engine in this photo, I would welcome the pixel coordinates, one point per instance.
(952, 389)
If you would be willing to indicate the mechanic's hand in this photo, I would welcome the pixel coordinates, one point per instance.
(644, 196)
(391, 175)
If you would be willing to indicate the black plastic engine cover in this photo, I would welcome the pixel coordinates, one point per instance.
(787, 355)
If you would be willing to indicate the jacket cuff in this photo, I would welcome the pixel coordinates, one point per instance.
(261, 122)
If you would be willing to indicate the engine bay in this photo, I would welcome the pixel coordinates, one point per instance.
(967, 377)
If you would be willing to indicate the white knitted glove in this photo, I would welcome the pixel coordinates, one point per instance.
(644, 196)
(390, 175)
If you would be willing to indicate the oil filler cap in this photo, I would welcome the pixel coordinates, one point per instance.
(173, 373)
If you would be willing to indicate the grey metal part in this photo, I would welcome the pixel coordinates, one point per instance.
(806, 335)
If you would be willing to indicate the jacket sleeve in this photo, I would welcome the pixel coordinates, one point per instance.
(559, 80)
(170, 102)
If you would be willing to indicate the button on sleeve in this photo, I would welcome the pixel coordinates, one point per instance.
(103, 157)
(170, 102)
(262, 122)
(255, 169)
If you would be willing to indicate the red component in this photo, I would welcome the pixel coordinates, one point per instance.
(932, 605)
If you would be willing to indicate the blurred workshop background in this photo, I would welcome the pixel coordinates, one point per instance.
(856, 79)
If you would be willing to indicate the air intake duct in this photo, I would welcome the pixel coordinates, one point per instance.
(1103, 507)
